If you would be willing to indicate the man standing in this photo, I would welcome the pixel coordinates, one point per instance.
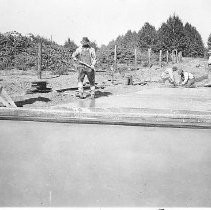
(86, 58)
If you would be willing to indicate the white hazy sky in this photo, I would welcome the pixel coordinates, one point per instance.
(100, 20)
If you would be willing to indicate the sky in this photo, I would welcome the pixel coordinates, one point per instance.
(99, 20)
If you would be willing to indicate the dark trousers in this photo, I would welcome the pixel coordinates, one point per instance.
(190, 83)
(83, 71)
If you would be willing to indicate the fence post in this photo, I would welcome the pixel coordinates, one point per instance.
(167, 56)
(149, 56)
(209, 74)
(39, 63)
(180, 57)
(115, 59)
(160, 58)
(112, 74)
(135, 59)
(172, 56)
(176, 56)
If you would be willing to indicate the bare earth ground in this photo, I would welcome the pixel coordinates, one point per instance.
(17, 82)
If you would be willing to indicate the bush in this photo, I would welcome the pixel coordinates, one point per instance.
(20, 52)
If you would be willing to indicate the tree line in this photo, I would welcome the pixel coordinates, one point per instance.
(18, 51)
(172, 34)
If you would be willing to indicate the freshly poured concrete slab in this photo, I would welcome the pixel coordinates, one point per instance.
(75, 165)
(168, 107)
(192, 99)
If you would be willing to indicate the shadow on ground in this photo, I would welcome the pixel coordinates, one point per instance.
(99, 94)
(31, 101)
(50, 77)
(73, 89)
(86, 87)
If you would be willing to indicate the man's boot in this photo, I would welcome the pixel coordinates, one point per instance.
(81, 90)
(81, 95)
(92, 92)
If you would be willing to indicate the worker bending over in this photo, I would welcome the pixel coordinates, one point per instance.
(86, 58)
(186, 79)
(168, 75)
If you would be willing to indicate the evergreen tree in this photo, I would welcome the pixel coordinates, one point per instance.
(147, 37)
(129, 40)
(194, 44)
(171, 35)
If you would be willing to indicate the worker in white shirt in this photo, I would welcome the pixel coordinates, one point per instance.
(187, 79)
(168, 75)
(86, 57)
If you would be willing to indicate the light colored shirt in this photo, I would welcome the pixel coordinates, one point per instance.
(187, 76)
(169, 72)
(91, 51)
(209, 60)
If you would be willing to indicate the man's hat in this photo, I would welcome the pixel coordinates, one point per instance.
(85, 41)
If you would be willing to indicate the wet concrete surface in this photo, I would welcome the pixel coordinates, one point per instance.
(52, 164)
(192, 99)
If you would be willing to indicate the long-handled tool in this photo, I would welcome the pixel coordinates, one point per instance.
(85, 64)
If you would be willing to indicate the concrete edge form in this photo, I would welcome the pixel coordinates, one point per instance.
(112, 116)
